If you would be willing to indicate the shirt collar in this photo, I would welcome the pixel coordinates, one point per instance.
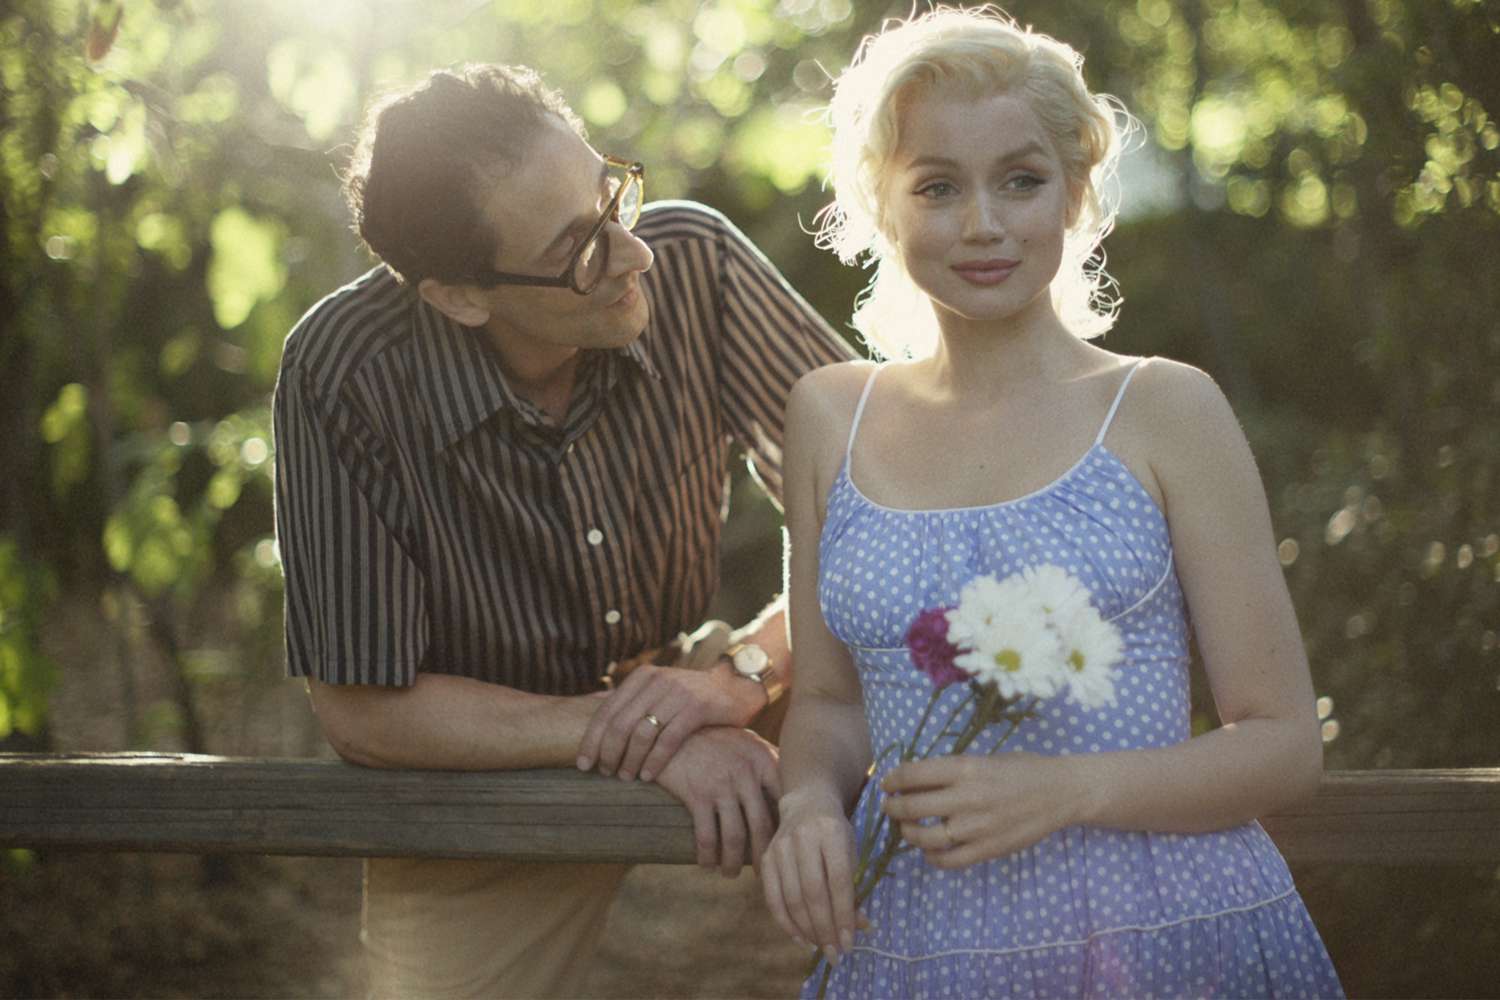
(461, 381)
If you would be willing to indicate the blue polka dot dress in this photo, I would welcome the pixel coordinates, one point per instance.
(1087, 911)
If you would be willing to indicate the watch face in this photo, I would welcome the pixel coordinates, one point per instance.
(751, 661)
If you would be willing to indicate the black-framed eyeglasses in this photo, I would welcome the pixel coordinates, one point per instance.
(586, 268)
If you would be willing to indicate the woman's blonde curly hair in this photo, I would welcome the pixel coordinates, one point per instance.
(977, 52)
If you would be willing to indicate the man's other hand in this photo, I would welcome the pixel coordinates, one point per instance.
(729, 780)
(647, 715)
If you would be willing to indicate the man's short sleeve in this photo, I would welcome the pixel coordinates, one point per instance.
(772, 337)
(355, 611)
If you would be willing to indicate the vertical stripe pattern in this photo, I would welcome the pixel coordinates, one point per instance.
(429, 519)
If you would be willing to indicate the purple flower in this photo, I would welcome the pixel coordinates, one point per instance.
(933, 654)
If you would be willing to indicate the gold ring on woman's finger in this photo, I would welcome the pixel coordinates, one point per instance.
(948, 834)
(655, 722)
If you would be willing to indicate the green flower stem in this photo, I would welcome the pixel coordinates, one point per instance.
(911, 749)
(947, 725)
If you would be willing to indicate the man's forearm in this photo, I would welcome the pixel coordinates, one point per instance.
(451, 723)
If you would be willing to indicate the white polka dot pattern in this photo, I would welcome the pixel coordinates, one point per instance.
(1087, 911)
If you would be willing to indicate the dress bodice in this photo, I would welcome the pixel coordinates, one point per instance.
(879, 567)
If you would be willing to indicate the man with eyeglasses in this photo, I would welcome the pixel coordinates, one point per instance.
(501, 471)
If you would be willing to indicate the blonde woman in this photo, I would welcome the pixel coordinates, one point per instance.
(1104, 852)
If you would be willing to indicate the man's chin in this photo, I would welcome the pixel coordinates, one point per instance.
(637, 316)
(622, 323)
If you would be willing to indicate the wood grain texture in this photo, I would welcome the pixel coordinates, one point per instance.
(194, 804)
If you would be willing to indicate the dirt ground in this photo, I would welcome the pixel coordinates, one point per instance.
(95, 925)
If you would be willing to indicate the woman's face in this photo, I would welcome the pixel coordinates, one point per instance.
(977, 204)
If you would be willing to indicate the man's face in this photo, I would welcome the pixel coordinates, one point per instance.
(542, 211)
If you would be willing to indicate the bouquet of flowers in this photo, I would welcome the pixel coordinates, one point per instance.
(1015, 642)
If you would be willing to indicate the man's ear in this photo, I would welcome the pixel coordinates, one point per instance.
(460, 303)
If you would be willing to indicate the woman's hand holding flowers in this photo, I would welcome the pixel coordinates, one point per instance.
(962, 810)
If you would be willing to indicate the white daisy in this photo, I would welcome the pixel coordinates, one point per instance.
(1015, 650)
(1091, 647)
(1059, 592)
(982, 600)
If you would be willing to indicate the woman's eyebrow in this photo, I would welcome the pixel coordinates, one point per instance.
(1019, 153)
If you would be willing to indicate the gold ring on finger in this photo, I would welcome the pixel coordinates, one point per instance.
(655, 722)
(948, 834)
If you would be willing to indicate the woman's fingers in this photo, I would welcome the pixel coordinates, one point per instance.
(838, 862)
(922, 805)
(808, 875)
(799, 926)
(928, 773)
(819, 891)
(771, 884)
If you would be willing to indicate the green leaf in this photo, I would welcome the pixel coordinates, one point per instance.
(246, 266)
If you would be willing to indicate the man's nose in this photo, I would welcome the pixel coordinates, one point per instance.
(627, 251)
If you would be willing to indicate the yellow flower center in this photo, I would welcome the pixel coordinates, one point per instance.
(1008, 660)
(1075, 660)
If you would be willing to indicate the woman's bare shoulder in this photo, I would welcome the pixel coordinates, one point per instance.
(829, 394)
(1175, 390)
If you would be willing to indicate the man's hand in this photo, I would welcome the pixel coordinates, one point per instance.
(728, 779)
(649, 714)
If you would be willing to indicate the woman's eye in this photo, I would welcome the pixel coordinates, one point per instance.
(937, 189)
(1025, 182)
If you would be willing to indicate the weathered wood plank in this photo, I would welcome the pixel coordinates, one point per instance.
(182, 803)
(1428, 817)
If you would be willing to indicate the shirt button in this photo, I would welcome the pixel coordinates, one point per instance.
(571, 446)
(595, 536)
(612, 617)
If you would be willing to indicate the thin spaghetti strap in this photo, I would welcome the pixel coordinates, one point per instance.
(859, 411)
(1109, 417)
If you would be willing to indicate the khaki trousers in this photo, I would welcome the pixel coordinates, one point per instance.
(483, 928)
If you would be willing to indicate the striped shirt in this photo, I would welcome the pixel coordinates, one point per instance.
(431, 520)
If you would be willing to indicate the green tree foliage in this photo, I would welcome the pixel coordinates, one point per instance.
(1315, 218)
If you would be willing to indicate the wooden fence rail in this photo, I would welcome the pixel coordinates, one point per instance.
(195, 804)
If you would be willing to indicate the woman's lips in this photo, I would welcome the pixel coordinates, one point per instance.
(986, 272)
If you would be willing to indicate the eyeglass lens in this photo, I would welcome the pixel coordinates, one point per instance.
(589, 268)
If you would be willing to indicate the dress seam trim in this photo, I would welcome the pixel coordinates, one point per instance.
(953, 952)
(1155, 587)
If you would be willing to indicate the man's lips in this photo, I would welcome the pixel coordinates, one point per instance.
(626, 296)
(986, 272)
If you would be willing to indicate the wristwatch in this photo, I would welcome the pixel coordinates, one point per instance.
(754, 664)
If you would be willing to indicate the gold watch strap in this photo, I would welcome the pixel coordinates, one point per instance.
(769, 678)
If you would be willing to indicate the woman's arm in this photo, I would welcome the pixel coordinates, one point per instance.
(1268, 754)
(808, 872)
